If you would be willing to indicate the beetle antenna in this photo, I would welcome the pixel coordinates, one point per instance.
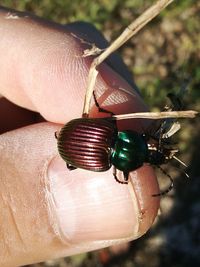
(182, 171)
(162, 193)
(183, 164)
(180, 161)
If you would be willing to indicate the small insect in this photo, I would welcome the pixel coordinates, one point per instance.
(95, 144)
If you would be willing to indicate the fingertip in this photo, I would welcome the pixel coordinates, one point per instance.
(145, 184)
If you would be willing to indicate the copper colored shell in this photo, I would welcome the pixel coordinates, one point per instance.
(87, 143)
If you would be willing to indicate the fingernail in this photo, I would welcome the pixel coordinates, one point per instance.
(89, 206)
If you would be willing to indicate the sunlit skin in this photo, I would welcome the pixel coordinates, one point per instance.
(48, 211)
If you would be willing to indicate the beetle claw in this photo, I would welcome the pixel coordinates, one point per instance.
(56, 134)
(70, 167)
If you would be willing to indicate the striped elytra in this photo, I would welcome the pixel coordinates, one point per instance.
(87, 143)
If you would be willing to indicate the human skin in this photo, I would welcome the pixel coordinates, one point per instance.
(46, 210)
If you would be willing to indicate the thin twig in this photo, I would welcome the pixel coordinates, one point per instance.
(130, 31)
(156, 115)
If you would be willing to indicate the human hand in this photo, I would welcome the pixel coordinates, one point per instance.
(47, 211)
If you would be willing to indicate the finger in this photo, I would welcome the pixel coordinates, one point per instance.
(48, 211)
(88, 31)
(43, 69)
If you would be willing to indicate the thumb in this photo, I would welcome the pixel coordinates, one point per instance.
(50, 212)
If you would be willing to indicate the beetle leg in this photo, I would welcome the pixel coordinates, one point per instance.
(100, 108)
(70, 167)
(116, 178)
(126, 176)
(162, 193)
(56, 134)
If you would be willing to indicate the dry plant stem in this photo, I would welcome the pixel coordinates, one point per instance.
(131, 30)
(156, 115)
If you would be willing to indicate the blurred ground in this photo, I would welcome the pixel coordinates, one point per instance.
(161, 56)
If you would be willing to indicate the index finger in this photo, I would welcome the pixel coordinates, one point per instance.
(42, 69)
